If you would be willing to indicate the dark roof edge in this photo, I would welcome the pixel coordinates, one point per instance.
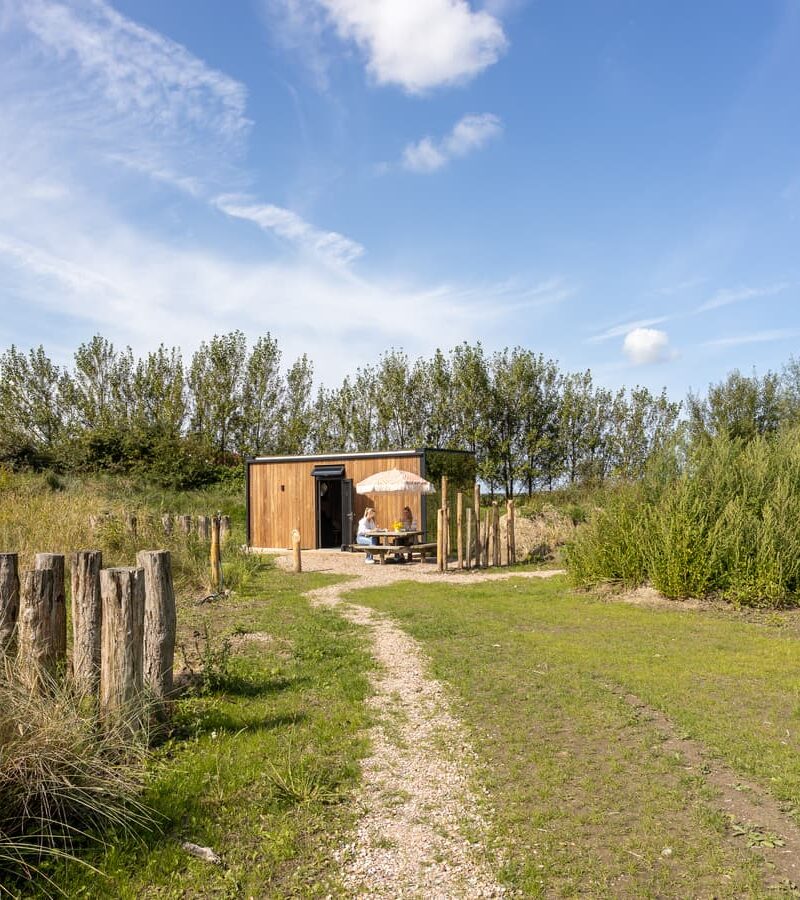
(315, 457)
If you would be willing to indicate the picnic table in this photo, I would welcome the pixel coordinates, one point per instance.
(391, 541)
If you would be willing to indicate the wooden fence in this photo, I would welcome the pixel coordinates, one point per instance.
(123, 630)
(478, 534)
(169, 524)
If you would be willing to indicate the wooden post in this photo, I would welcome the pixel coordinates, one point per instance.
(203, 528)
(445, 523)
(224, 528)
(297, 559)
(441, 560)
(122, 592)
(87, 613)
(55, 561)
(167, 523)
(485, 538)
(36, 646)
(476, 503)
(468, 554)
(496, 533)
(216, 571)
(459, 529)
(158, 643)
(9, 600)
(185, 524)
(131, 524)
(511, 536)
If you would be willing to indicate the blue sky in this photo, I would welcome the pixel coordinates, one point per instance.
(615, 185)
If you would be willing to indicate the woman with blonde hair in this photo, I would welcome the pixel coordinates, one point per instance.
(366, 524)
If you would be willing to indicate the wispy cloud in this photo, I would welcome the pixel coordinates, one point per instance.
(418, 45)
(727, 296)
(139, 71)
(330, 246)
(757, 337)
(470, 133)
(624, 328)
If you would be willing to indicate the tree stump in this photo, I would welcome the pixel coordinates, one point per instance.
(167, 523)
(9, 601)
(55, 561)
(185, 524)
(224, 528)
(122, 592)
(86, 620)
(203, 528)
(158, 645)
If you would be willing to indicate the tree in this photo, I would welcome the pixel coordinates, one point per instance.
(262, 398)
(740, 407)
(215, 383)
(297, 408)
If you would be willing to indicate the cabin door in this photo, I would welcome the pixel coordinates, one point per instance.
(348, 529)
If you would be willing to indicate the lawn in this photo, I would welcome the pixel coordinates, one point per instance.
(264, 757)
(584, 798)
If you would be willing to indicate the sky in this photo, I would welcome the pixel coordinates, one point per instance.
(614, 185)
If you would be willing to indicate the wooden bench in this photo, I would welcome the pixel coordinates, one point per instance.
(381, 550)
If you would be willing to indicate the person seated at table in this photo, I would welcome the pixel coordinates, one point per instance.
(409, 524)
(366, 524)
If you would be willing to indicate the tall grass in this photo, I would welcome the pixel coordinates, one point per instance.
(40, 513)
(63, 782)
(723, 523)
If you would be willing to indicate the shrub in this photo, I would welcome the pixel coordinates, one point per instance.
(719, 519)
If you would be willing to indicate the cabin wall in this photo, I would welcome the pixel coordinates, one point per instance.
(282, 497)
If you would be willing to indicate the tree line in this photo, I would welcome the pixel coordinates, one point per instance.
(530, 425)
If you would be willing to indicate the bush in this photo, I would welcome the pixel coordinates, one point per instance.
(723, 522)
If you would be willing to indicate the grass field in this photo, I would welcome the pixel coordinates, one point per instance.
(266, 751)
(583, 797)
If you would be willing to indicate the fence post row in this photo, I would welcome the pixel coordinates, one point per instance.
(86, 620)
(9, 600)
(121, 682)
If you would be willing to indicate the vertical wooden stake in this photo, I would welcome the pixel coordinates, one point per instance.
(496, 533)
(485, 538)
(296, 554)
(36, 647)
(131, 524)
(158, 642)
(216, 571)
(167, 523)
(55, 561)
(468, 555)
(440, 540)
(203, 528)
(459, 529)
(185, 524)
(121, 656)
(87, 615)
(445, 524)
(476, 502)
(224, 528)
(9, 601)
(512, 537)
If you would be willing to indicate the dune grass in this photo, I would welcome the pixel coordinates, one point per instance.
(583, 799)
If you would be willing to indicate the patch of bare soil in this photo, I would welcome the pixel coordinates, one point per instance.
(649, 596)
(757, 818)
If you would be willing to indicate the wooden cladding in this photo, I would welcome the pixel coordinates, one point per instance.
(282, 497)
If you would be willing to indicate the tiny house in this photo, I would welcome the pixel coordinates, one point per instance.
(317, 494)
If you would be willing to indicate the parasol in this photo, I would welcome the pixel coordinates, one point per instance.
(394, 481)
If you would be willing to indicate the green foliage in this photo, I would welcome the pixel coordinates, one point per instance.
(723, 524)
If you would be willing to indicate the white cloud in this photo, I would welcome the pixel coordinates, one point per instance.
(468, 134)
(419, 44)
(644, 346)
(728, 296)
(329, 246)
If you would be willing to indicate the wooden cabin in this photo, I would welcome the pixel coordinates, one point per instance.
(317, 495)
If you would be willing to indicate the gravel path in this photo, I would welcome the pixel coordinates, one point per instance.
(420, 833)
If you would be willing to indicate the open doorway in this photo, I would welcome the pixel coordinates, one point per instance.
(329, 512)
